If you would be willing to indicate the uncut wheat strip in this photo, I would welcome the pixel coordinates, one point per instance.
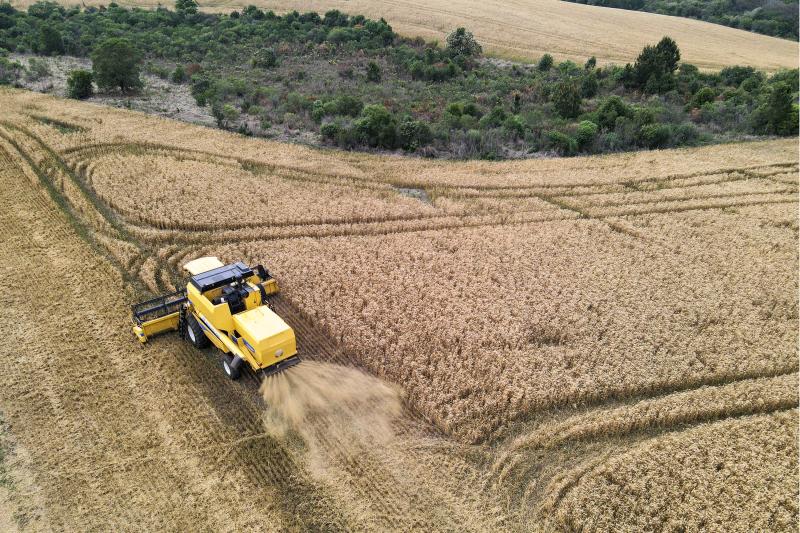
(736, 474)
(690, 205)
(706, 403)
(693, 192)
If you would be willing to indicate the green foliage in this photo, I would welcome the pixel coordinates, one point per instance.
(777, 114)
(179, 75)
(50, 41)
(264, 58)
(589, 85)
(10, 71)
(611, 109)
(654, 135)
(514, 126)
(587, 132)
(703, 96)
(115, 63)
(462, 46)
(448, 100)
(562, 143)
(376, 127)
(495, 118)
(186, 7)
(567, 99)
(37, 69)
(373, 72)
(413, 134)
(736, 75)
(545, 63)
(654, 70)
(770, 17)
(79, 84)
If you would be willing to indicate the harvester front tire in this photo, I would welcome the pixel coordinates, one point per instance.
(195, 333)
(230, 370)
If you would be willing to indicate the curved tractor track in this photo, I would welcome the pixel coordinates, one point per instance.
(199, 446)
(155, 437)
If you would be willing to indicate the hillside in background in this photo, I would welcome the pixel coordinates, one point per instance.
(769, 17)
(527, 30)
(349, 81)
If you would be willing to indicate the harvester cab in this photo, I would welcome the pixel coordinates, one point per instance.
(227, 306)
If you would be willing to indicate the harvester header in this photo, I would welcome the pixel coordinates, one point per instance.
(227, 306)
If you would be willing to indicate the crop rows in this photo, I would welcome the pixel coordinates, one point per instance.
(503, 296)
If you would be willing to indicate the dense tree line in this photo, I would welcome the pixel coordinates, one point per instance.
(778, 18)
(357, 84)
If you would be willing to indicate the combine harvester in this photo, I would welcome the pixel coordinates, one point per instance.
(225, 305)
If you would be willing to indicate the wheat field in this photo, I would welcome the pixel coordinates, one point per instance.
(527, 30)
(618, 329)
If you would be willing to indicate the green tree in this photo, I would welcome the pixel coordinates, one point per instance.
(587, 132)
(187, 7)
(545, 63)
(612, 108)
(376, 127)
(412, 134)
(50, 41)
(79, 84)
(567, 99)
(777, 114)
(461, 43)
(654, 70)
(115, 63)
(373, 72)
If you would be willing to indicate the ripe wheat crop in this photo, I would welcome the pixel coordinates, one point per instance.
(732, 475)
(581, 314)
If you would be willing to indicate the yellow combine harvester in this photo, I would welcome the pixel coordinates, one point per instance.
(227, 306)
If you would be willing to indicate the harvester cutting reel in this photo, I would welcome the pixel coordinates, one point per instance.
(227, 306)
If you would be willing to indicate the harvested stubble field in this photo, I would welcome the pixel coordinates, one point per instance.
(528, 30)
(597, 342)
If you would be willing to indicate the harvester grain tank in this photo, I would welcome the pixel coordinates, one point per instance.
(227, 306)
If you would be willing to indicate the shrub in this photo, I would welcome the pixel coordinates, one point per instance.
(413, 134)
(37, 69)
(9, 71)
(494, 118)
(567, 99)
(186, 7)
(514, 126)
(264, 58)
(591, 63)
(376, 127)
(373, 72)
(703, 96)
(179, 75)
(589, 85)
(654, 135)
(612, 108)
(79, 84)
(330, 130)
(777, 114)
(545, 63)
(736, 75)
(461, 45)
(562, 143)
(50, 41)
(115, 63)
(587, 132)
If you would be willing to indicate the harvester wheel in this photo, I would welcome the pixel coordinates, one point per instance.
(194, 333)
(230, 370)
